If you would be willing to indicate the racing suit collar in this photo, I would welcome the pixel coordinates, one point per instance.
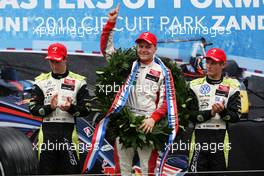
(59, 76)
(211, 81)
(146, 65)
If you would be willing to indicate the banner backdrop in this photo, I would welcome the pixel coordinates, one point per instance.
(235, 25)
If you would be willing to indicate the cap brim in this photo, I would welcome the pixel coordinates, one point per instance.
(55, 58)
(213, 58)
(142, 39)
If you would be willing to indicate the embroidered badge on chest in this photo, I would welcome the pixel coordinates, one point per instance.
(205, 89)
(153, 75)
(68, 84)
(222, 91)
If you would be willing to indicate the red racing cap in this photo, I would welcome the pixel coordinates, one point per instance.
(216, 55)
(148, 37)
(56, 52)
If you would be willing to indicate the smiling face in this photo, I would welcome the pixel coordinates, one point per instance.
(145, 51)
(214, 69)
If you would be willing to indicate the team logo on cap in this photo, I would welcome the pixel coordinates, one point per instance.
(54, 49)
(213, 51)
(146, 34)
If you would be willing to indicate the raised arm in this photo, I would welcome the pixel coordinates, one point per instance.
(106, 42)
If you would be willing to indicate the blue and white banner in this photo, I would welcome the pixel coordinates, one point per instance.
(235, 25)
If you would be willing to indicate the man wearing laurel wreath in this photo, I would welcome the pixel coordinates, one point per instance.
(147, 96)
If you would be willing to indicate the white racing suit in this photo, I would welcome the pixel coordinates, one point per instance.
(210, 141)
(58, 134)
(147, 98)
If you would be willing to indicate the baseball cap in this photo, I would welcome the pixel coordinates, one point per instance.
(148, 37)
(56, 52)
(216, 55)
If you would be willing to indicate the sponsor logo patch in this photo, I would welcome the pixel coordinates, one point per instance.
(222, 91)
(69, 84)
(154, 72)
(67, 87)
(88, 131)
(152, 78)
(69, 81)
(205, 89)
(204, 105)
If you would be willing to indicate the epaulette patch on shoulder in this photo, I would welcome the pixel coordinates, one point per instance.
(43, 76)
(231, 82)
(76, 76)
(197, 81)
